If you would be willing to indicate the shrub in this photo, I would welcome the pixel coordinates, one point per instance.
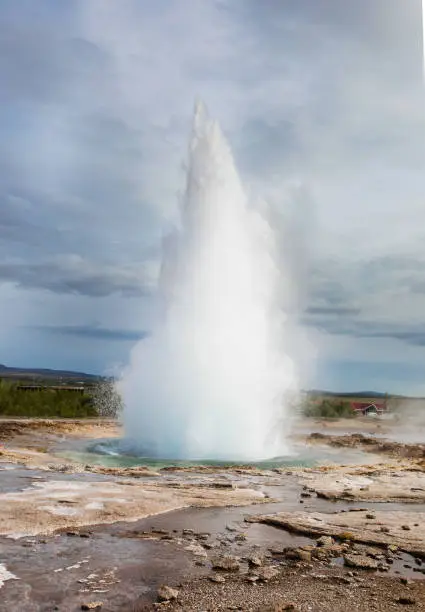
(328, 409)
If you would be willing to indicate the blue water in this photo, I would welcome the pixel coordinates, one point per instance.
(117, 453)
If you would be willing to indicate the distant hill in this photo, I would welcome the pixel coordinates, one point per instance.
(347, 394)
(11, 372)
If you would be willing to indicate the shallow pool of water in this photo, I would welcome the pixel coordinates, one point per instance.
(109, 453)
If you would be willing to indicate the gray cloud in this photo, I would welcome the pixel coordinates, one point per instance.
(72, 274)
(413, 334)
(94, 333)
(95, 107)
(379, 298)
(332, 311)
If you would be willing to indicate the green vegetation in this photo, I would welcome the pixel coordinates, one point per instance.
(328, 409)
(45, 403)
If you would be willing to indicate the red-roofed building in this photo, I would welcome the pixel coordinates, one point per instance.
(369, 407)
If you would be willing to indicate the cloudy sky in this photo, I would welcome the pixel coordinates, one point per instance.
(324, 105)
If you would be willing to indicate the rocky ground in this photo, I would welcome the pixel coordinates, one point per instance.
(340, 537)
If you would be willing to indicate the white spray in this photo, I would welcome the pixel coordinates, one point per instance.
(212, 382)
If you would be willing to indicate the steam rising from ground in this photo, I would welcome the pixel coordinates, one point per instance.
(213, 381)
(409, 419)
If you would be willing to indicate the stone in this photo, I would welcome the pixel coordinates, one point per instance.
(267, 573)
(226, 563)
(252, 578)
(370, 516)
(93, 605)
(325, 541)
(240, 537)
(255, 560)
(384, 529)
(217, 578)
(298, 554)
(196, 549)
(166, 593)
(405, 527)
(304, 555)
(383, 567)
(406, 601)
(361, 562)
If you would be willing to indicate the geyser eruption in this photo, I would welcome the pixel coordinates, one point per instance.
(212, 380)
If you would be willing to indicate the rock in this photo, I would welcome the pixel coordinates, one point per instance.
(267, 573)
(166, 593)
(93, 605)
(298, 554)
(383, 567)
(361, 562)
(241, 537)
(255, 560)
(217, 578)
(304, 555)
(384, 529)
(370, 516)
(406, 601)
(196, 549)
(227, 563)
(343, 580)
(325, 541)
(252, 578)
(405, 527)
(188, 532)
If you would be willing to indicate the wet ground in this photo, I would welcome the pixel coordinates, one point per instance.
(121, 565)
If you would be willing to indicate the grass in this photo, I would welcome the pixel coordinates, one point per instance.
(45, 403)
